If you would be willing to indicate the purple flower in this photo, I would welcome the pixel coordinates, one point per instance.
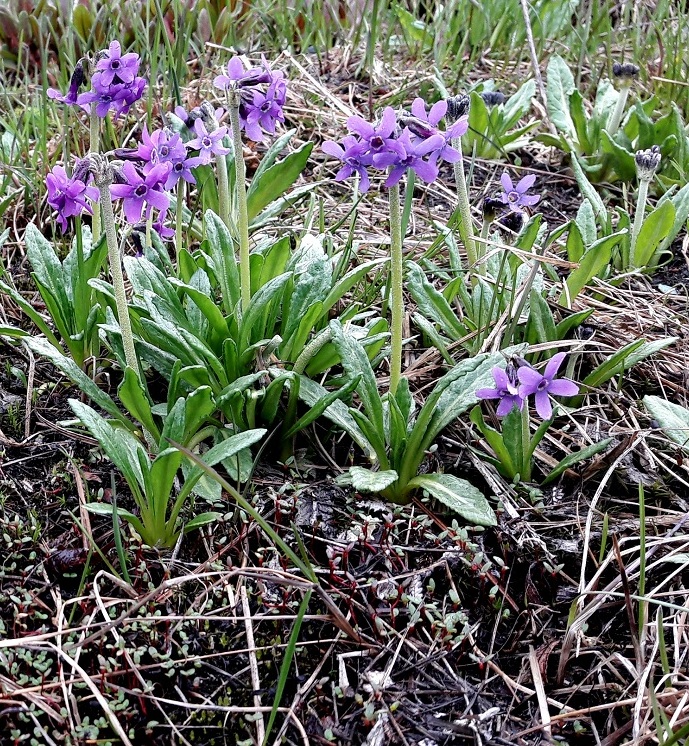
(118, 97)
(263, 111)
(240, 76)
(140, 191)
(182, 170)
(425, 125)
(380, 139)
(113, 66)
(506, 390)
(413, 158)
(351, 157)
(78, 77)
(545, 385)
(515, 197)
(68, 195)
(208, 143)
(161, 146)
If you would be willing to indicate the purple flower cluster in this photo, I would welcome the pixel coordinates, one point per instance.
(398, 143)
(517, 383)
(68, 195)
(115, 83)
(262, 92)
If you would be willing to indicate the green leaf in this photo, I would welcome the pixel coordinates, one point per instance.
(366, 480)
(589, 192)
(356, 364)
(656, 227)
(680, 201)
(575, 242)
(12, 332)
(559, 87)
(338, 413)
(672, 418)
(625, 358)
(433, 304)
(321, 405)
(507, 465)
(594, 261)
(74, 373)
(134, 397)
(225, 268)
(458, 495)
(203, 519)
(49, 275)
(575, 458)
(276, 180)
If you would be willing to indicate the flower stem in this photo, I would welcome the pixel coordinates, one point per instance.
(397, 300)
(525, 475)
(618, 113)
(223, 189)
(466, 226)
(94, 147)
(178, 220)
(240, 191)
(638, 220)
(115, 260)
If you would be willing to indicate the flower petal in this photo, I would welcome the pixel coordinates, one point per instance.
(543, 405)
(526, 183)
(506, 182)
(553, 365)
(563, 387)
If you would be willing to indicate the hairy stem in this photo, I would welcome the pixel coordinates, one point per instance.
(240, 191)
(396, 298)
(638, 220)
(616, 118)
(94, 147)
(223, 189)
(117, 276)
(466, 226)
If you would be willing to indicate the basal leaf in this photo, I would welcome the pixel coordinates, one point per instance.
(458, 495)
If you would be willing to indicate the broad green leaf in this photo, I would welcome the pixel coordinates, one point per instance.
(356, 363)
(672, 418)
(48, 272)
(74, 373)
(589, 192)
(135, 399)
(276, 180)
(576, 248)
(221, 247)
(586, 222)
(559, 87)
(338, 413)
(656, 227)
(366, 480)
(458, 495)
(432, 304)
(346, 283)
(591, 265)
(680, 201)
(319, 408)
(625, 358)
(575, 458)
(507, 465)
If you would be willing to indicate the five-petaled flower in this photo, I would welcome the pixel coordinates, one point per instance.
(208, 143)
(506, 390)
(68, 195)
(351, 153)
(516, 197)
(544, 385)
(142, 191)
(113, 66)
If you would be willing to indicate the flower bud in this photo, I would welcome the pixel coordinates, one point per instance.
(492, 208)
(625, 72)
(457, 107)
(647, 162)
(493, 98)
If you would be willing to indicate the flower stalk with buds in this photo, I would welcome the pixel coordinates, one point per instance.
(103, 178)
(647, 162)
(626, 74)
(458, 107)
